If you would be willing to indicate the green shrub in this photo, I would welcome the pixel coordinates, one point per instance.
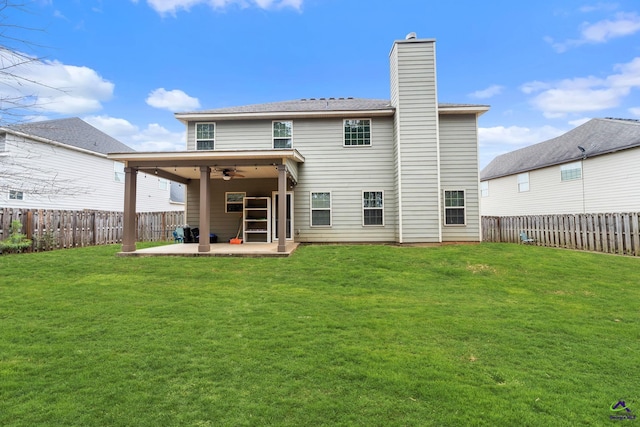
(16, 242)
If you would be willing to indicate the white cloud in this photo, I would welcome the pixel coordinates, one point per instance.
(498, 140)
(153, 138)
(598, 6)
(582, 94)
(489, 92)
(635, 111)
(171, 7)
(624, 24)
(52, 86)
(173, 100)
(517, 136)
(579, 121)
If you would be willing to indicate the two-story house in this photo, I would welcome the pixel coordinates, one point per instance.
(590, 169)
(402, 170)
(62, 164)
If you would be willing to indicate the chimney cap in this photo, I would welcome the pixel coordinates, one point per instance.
(412, 35)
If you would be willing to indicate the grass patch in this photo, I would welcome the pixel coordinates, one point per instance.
(491, 334)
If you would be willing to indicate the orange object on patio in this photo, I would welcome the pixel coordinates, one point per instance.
(235, 241)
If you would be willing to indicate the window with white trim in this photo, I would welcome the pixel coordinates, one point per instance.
(357, 132)
(454, 207)
(283, 134)
(205, 136)
(372, 208)
(523, 182)
(163, 184)
(484, 189)
(233, 202)
(118, 172)
(16, 195)
(321, 209)
(571, 171)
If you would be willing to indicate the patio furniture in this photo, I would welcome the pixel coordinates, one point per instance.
(525, 239)
(178, 235)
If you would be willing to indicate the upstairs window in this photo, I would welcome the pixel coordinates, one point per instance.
(372, 208)
(357, 132)
(282, 134)
(523, 182)
(571, 171)
(205, 136)
(454, 210)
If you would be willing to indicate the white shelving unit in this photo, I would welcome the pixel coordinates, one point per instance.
(256, 220)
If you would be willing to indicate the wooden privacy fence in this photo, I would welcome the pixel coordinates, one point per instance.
(615, 233)
(56, 229)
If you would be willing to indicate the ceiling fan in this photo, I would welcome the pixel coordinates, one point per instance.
(228, 174)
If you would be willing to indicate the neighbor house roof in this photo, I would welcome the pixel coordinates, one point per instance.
(596, 137)
(73, 132)
(308, 107)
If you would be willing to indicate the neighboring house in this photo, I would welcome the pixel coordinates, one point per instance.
(593, 168)
(403, 170)
(63, 164)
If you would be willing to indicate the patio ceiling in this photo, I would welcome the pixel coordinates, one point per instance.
(184, 166)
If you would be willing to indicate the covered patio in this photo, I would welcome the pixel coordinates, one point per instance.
(209, 168)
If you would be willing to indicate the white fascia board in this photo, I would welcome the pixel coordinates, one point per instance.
(208, 155)
(189, 117)
(464, 109)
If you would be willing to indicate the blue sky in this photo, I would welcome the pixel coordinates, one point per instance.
(126, 66)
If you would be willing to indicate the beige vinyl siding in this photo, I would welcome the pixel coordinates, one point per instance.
(345, 172)
(223, 224)
(414, 96)
(238, 135)
(328, 166)
(611, 184)
(459, 171)
(91, 176)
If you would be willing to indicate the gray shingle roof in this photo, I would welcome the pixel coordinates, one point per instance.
(74, 132)
(315, 105)
(303, 105)
(597, 137)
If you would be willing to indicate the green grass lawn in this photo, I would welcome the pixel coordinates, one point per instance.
(490, 334)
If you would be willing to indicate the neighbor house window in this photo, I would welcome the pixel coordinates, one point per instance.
(233, 202)
(523, 182)
(372, 208)
(357, 132)
(320, 209)
(16, 195)
(454, 210)
(484, 189)
(571, 171)
(205, 136)
(163, 184)
(118, 172)
(282, 134)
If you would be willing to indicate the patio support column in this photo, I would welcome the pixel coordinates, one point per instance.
(282, 208)
(205, 209)
(129, 217)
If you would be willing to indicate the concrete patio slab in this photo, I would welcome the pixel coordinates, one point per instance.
(217, 250)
